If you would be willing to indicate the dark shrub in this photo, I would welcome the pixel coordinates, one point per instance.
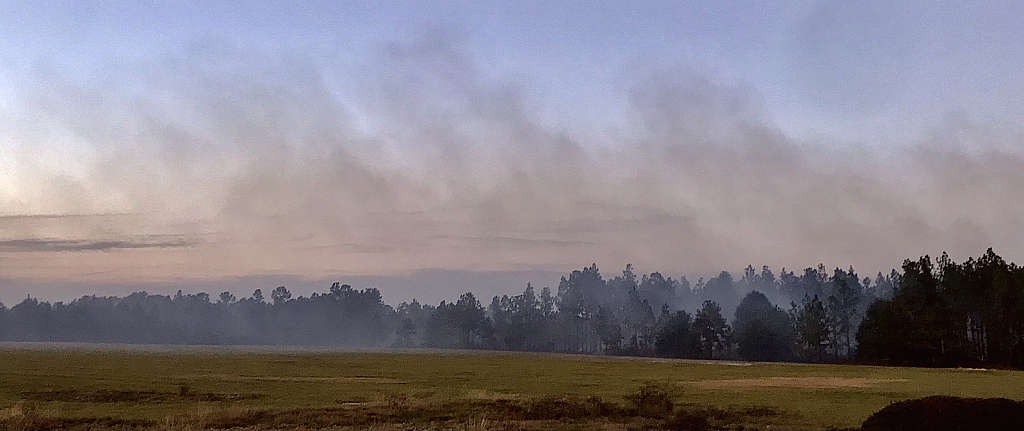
(689, 421)
(652, 401)
(943, 413)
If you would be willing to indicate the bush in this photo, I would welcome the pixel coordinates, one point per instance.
(688, 420)
(940, 413)
(652, 401)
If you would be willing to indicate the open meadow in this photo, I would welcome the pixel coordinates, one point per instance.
(110, 386)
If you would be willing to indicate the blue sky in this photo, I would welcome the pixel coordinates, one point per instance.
(178, 141)
(837, 68)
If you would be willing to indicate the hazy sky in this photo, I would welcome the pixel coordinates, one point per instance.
(206, 143)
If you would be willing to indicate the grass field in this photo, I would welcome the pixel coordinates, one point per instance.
(158, 387)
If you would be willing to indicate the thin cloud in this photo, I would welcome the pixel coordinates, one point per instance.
(70, 245)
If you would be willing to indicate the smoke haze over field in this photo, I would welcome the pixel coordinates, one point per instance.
(203, 156)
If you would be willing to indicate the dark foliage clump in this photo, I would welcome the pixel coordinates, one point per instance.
(689, 420)
(652, 401)
(947, 314)
(763, 332)
(944, 413)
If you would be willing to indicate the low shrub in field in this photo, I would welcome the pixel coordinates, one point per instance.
(688, 420)
(942, 413)
(652, 401)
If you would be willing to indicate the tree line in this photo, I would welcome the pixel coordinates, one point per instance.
(937, 313)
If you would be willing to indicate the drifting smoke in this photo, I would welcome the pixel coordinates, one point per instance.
(215, 163)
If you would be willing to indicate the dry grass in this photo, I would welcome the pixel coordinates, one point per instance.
(184, 394)
(27, 416)
(558, 413)
(549, 413)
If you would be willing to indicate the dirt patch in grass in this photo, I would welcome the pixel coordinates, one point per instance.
(483, 394)
(796, 383)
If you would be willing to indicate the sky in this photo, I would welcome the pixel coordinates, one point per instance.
(429, 148)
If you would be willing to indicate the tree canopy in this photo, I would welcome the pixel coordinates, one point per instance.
(929, 313)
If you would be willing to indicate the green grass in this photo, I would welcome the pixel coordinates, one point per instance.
(809, 396)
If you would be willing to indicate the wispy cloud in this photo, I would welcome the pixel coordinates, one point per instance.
(51, 245)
